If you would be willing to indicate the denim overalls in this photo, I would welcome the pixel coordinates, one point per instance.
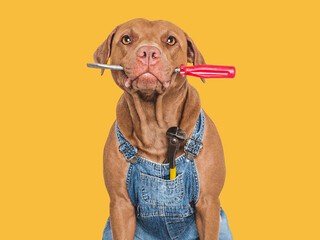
(165, 208)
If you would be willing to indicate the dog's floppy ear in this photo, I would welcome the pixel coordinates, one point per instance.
(194, 55)
(103, 52)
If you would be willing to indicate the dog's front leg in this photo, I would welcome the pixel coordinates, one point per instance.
(211, 171)
(207, 218)
(122, 212)
(122, 219)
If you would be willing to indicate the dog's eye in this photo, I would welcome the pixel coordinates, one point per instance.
(126, 40)
(171, 41)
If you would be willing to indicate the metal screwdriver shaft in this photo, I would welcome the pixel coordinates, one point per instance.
(104, 66)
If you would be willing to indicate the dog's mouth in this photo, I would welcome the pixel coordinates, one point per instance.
(145, 81)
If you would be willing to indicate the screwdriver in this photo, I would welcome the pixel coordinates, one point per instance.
(201, 71)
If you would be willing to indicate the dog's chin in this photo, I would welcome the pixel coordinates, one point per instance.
(147, 85)
(146, 81)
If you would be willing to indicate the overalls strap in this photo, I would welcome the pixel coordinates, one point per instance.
(194, 144)
(129, 151)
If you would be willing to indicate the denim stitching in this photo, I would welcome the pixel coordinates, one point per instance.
(168, 182)
(129, 171)
(180, 231)
(194, 144)
(164, 165)
(185, 228)
(178, 221)
(169, 207)
(162, 213)
(125, 147)
(177, 196)
(128, 179)
(196, 180)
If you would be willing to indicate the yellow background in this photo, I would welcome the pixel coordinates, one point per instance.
(56, 113)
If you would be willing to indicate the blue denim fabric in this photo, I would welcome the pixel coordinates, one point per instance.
(165, 208)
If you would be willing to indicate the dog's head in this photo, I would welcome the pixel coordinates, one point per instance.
(149, 51)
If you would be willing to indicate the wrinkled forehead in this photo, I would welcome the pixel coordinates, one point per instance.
(149, 29)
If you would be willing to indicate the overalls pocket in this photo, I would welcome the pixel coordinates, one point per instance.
(158, 191)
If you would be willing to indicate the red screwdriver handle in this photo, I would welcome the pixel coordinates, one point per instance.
(208, 71)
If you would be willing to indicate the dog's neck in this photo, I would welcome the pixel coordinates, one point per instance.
(144, 123)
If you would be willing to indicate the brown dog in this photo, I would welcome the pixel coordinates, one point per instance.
(155, 99)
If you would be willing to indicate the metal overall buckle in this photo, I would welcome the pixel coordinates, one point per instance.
(190, 155)
(132, 160)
